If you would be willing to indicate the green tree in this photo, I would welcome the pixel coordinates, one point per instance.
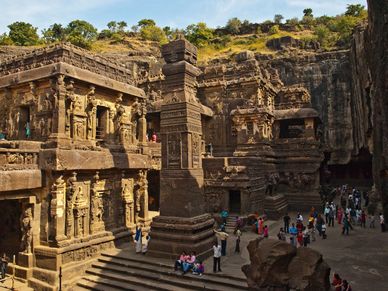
(278, 18)
(22, 33)
(274, 29)
(308, 12)
(355, 10)
(233, 25)
(199, 34)
(81, 33)
(5, 40)
(322, 33)
(112, 26)
(121, 26)
(153, 33)
(146, 22)
(55, 32)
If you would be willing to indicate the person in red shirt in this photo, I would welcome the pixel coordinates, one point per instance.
(299, 237)
(363, 219)
(337, 282)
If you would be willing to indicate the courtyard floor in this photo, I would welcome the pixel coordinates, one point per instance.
(361, 258)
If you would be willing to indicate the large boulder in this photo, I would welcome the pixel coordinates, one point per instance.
(277, 265)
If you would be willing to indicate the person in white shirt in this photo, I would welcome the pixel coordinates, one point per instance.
(382, 222)
(217, 257)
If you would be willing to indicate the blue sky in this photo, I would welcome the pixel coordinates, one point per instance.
(174, 13)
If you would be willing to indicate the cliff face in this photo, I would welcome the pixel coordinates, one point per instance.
(327, 76)
(377, 53)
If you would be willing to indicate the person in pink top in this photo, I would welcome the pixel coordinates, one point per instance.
(260, 228)
(265, 231)
(340, 214)
(182, 258)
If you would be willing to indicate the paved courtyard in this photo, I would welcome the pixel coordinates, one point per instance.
(361, 258)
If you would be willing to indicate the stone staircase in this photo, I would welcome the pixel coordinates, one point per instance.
(126, 271)
(231, 223)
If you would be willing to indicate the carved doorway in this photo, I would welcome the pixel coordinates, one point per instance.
(234, 201)
(24, 122)
(10, 236)
(102, 122)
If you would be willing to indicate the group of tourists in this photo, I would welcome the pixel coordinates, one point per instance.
(187, 262)
(141, 245)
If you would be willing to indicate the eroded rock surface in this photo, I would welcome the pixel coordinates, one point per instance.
(277, 265)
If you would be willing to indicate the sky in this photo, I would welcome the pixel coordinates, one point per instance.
(173, 13)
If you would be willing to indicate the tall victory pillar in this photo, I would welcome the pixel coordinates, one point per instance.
(183, 223)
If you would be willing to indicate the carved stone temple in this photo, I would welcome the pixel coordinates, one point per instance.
(78, 169)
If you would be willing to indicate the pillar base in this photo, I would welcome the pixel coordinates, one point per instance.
(275, 206)
(172, 235)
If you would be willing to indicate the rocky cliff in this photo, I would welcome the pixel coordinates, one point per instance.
(327, 76)
(376, 44)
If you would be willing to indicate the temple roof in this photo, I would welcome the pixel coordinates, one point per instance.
(295, 113)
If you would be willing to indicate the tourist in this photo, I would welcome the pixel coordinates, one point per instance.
(299, 238)
(363, 219)
(144, 248)
(293, 232)
(382, 222)
(265, 231)
(239, 223)
(238, 238)
(281, 234)
(138, 239)
(286, 220)
(337, 282)
(27, 130)
(299, 218)
(340, 214)
(299, 225)
(306, 237)
(331, 216)
(223, 236)
(346, 224)
(224, 216)
(313, 212)
(216, 258)
(372, 220)
(323, 230)
(346, 286)
(3, 265)
(326, 212)
(182, 258)
(353, 215)
(311, 228)
(198, 268)
(318, 224)
(260, 226)
(2, 135)
(189, 263)
(154, 138)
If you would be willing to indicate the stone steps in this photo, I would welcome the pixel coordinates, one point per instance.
(123, 272)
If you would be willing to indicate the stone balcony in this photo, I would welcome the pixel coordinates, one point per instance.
(19, 165)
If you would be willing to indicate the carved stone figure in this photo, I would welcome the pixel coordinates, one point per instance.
(26, 230)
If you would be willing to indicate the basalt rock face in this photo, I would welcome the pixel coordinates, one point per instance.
(377, 54)
(327, 76)
(277, 265)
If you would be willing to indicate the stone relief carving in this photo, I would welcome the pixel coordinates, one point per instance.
(26, 220)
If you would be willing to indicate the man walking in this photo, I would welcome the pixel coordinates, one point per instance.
(216, 257)
(382, 222)
(223, 237)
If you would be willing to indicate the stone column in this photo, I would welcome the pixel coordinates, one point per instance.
(142, 128)
(57, 209)
(58, 131)
(183, 223)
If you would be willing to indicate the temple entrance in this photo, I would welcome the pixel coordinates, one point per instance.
(153, 190)
(292, 128)
(24, 122)
(10, 236)
(234, 201)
